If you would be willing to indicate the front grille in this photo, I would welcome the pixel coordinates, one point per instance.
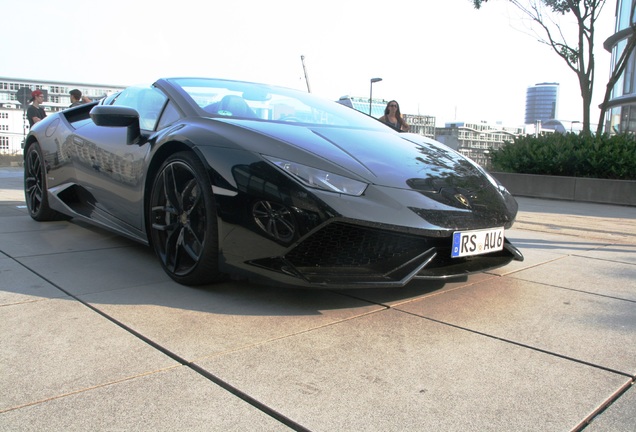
(349, 246)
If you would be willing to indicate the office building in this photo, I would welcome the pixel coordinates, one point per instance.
(542, 103)
(13, 122)
(621, 108)
(421, 124)
(477, 140)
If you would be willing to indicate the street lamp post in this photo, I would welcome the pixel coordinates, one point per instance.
(373, 80)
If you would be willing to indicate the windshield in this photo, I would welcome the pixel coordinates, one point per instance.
(222, 98)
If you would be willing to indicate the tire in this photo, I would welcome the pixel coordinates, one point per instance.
(35, 191)
(182, 224)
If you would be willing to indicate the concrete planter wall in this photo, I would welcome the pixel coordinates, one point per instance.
(619, 192)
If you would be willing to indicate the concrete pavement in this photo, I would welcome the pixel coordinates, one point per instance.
(94, 336)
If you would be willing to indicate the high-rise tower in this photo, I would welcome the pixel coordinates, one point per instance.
(542, 102)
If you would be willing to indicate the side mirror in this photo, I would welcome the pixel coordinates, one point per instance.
(118, 116)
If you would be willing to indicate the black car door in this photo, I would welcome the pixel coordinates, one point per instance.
(111, 169)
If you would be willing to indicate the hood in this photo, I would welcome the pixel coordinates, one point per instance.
(390, 161)
(380, 157)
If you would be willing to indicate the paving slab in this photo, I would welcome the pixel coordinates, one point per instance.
(536, 251)
(22, 223)
(176, 399)
(594, 228)
(12, 208)
(619, 417)
(618, 253)
(11, 185)
(561, 244)
(561, 208)
(603, 277)
(595, 329)
(394, 371)
(19, 284)
(59, 346)
(611, 223)
(57, 237)
(88, 271)
(195, 323)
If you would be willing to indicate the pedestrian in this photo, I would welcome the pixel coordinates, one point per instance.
(393, 117)
(35, 112)
(77, 98)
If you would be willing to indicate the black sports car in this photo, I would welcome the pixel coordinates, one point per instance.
(234, 178)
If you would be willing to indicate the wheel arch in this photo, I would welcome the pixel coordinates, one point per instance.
(29, 141)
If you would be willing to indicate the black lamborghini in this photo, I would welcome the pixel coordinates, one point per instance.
(276, 185)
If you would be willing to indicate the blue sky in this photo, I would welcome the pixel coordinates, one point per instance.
(440, 58)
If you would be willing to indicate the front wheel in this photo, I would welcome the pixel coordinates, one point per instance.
(182, 221)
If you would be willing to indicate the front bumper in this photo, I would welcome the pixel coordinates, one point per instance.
(345, 255)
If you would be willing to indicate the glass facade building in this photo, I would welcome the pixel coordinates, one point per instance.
(541, 103)
(621, 108)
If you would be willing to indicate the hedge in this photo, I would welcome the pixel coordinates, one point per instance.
(570, 155)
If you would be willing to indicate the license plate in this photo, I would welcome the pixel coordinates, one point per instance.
(477, 242)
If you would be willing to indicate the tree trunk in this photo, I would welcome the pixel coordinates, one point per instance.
(586, 96)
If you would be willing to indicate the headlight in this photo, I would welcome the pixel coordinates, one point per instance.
(319, 179)
(503, 189)
(496, 183)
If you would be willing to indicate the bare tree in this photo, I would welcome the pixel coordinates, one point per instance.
(579, 55)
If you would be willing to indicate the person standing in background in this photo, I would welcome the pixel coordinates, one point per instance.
(35, 112)
(77, 99)
(393, 117)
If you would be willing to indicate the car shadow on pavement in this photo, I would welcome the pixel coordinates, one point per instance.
(110, 270)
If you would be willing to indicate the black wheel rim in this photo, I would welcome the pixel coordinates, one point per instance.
(34, 180)
(178, 216)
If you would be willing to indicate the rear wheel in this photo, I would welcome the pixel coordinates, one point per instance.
(182, 221)
(35, 191)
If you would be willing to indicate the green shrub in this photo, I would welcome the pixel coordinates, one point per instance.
(569, 155)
